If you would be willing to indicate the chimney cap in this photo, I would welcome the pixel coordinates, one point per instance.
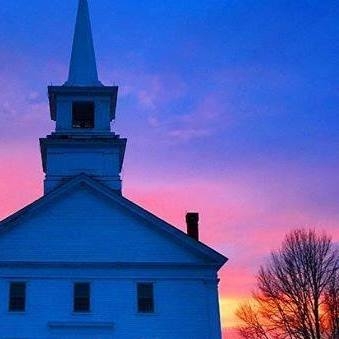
(192, 220)
(192, 217)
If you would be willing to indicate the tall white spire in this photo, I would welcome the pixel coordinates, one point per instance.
(83, 68)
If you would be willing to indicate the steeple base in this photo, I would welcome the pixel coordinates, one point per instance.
(51, 182)
(64, 157)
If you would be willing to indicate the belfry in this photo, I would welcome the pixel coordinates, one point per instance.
(83, 261)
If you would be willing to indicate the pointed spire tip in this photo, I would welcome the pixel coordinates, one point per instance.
(83, 68)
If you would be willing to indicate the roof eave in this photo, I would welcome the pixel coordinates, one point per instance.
(216, 259)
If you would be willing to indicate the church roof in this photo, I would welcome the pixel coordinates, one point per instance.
(155, 223)
(83, 68)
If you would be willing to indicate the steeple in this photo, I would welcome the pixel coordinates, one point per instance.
(82, 109)
(83, 68)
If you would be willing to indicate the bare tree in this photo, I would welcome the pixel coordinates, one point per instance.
(254, 327)
(297, 291)
(332, 307)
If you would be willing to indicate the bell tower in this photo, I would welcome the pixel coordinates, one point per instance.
(82, 109)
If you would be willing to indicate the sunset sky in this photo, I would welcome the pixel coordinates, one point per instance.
(230, 107)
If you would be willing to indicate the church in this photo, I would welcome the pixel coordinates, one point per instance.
(85, 262)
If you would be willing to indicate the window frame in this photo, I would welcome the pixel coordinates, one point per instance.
(12, 307)
(79, 310)
(149, 301)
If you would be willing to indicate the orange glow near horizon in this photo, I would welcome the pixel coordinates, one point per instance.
(228, 307)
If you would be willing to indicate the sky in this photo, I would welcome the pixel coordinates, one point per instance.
(231, 109)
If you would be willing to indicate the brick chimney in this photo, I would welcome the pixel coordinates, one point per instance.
(192, 220)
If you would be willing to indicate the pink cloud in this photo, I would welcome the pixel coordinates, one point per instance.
(202, 121)
(24, 111)
(150, 89)
(188, 133)
(155, 92)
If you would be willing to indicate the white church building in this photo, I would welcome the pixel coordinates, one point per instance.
(85, 262)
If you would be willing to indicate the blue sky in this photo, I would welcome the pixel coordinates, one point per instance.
(270, 67)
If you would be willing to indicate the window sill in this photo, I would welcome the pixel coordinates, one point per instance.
(82, 313)
(84, 324)
(147, 314)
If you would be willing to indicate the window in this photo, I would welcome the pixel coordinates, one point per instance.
(83, 114)
(17, 297)
(81, 297)
(145, 298)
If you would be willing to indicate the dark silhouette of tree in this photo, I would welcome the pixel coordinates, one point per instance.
(297, 294)
(332, 306)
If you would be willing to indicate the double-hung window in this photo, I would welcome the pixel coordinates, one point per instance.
(81, 297)
(17, 297)
(145, 295)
